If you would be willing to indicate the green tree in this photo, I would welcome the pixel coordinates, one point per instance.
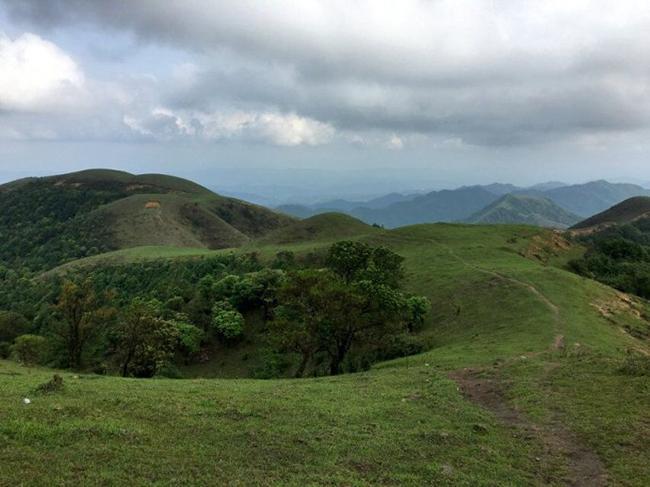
(190, 338)
(144, 341)
(227, 321)
(82, 316)
(12, 325)
(30, 349)
(416, 310)
(322, 312)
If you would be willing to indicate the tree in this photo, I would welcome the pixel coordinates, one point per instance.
(82, 314)
(12, 325)
(30, 349)
(189, 338)
(322, 312)
(348, 258)
(144, 340)
(227, 321)
(295, 328)
(416, 310)
(356, 261)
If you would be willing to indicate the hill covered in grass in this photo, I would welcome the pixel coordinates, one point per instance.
(526, 382)
(626, 212)
(324, 226)
(531, 210)
(48, 221)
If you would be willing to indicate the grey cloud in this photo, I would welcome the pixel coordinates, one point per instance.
(494, 76)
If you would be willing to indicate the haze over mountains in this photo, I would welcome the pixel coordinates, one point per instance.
(556, 204)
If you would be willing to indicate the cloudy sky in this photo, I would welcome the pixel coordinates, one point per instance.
(336, 97)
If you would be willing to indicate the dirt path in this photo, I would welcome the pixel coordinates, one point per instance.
(485, 388)
(584, 467)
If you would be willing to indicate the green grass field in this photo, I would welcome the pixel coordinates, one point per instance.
(521, 386)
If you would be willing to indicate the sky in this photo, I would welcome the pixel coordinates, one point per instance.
(310, 99)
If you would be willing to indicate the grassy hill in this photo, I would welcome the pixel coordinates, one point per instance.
(526, 209)
(522, 386)
(626, 212)
(49, 221)
(324, 226)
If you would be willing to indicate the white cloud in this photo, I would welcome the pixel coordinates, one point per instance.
(275, 128)
(35, 75)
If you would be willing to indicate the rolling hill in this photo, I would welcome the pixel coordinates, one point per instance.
(522, 385)
(531, 210)
(324, 226)
(628, 211)
(48, 221)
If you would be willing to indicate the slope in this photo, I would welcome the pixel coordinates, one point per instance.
(530, 210)
(321, 227)
(626, 212)
(545, 345)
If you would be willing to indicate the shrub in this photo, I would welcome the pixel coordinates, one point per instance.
(30, 349)
(12, 325)
(227, 321)
(190, 338)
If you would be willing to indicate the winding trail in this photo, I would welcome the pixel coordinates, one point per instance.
(486, 388)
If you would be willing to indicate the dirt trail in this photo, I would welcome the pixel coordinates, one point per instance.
(585, 467)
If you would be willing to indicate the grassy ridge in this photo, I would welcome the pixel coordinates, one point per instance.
(404, 422)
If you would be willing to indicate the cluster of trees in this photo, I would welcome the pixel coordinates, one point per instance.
(49, 225)
(337, 313)
(619, 257)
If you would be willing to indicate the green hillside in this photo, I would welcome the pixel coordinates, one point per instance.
(530, 210)
(325, 226)
(626, 212)
(527, 382)
(53, 220)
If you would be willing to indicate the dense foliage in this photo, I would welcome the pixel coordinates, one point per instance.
(619, 256)
(322, 315)
(49, 224)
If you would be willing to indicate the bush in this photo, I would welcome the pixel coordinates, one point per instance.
(12, 325)
(5, 349)
(227, 321)
(30, 349)
(190, 338)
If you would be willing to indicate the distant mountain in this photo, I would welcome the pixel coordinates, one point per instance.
(546, 186)
(437, 206)
(628, 211)
(47, 221)
(588, 199)
(531, 210)
(501, 189)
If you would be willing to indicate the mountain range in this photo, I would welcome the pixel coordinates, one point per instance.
(568, 203)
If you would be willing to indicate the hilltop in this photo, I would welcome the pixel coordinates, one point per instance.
(531, 210)
(324, 226)
(628, 211)
(60, 218)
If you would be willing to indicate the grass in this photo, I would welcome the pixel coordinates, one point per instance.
(402, 423)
